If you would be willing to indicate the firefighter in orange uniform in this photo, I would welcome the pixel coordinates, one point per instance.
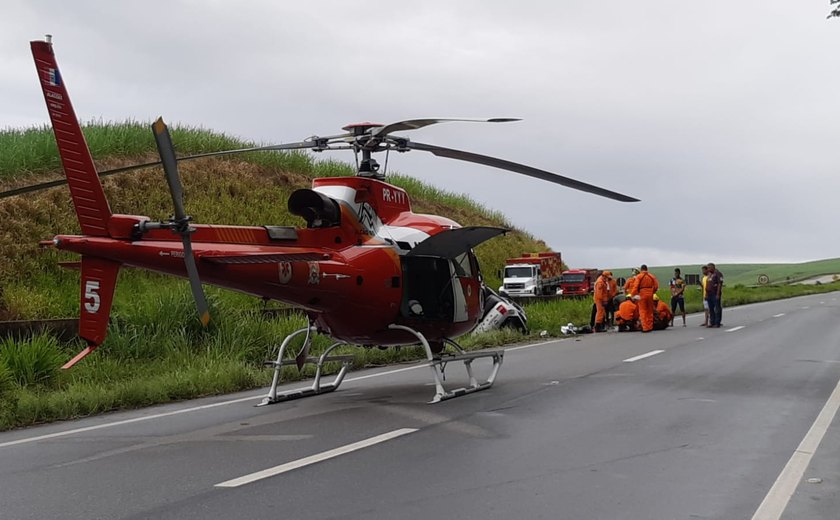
(662, 315)
(627, 316)
(644, 287)
(601, 297)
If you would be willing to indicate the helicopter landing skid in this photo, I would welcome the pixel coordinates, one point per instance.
(317, 387)
(438, 365)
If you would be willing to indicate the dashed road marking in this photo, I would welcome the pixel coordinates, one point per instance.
(779, 315)
(643, 356)
(733, 329)
(312, 459)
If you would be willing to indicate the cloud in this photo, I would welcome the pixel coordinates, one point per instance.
(721, 117)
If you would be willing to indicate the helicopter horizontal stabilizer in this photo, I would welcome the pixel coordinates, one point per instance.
(265, 258)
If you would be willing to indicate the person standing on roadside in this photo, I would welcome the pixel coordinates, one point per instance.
(714, 286)
(705, 271)
(644, 287)
(630, 280)
(677, 286)
(601, 297)
(612, 291)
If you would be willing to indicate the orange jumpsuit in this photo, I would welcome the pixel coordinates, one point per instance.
(628, 284)
(662, 316)
(645, 285)
(627, 314)
(601, 297)
(613, 288)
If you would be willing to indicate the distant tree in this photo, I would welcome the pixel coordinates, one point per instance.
(835, 11)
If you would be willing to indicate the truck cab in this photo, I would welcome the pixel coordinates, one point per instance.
(578, 282)
(521, 280)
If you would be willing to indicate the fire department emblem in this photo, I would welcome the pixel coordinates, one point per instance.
(285, 271)
(314, 273)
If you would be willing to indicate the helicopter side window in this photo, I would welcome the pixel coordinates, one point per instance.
(463, 267)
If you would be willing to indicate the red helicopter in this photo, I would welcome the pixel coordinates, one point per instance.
(365, 269)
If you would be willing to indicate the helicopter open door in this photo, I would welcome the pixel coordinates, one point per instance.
(440, 275)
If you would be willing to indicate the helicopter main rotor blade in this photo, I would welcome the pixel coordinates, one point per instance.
(414, 124)
(518, 168)
(181, 221)
(105, 173)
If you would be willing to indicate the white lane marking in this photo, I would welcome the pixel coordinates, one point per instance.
(120, 423)
(312, 459)
(805, 308)
(776, 501)
(532, 345)
(733, 329)
(643, 356)
(779, 315)
(214, 405)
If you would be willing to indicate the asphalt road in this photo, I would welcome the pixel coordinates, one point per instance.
(718, 424)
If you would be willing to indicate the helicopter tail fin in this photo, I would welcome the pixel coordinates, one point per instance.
(92, 207)
(98, 280)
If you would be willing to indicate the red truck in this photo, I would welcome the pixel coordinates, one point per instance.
(578, 282)
(532, 274)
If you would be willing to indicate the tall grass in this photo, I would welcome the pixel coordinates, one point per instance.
(32, 361)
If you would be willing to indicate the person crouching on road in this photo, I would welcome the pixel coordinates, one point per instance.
(602, 299)
(627, 316)
(644, 287)
(662, 315)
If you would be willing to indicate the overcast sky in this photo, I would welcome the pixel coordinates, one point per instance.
(722, 116)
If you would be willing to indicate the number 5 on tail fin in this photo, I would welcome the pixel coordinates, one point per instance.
(99, 278)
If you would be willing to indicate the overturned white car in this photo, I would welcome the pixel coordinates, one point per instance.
(500, 312)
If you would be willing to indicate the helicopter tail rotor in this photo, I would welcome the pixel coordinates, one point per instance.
(181, 222)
